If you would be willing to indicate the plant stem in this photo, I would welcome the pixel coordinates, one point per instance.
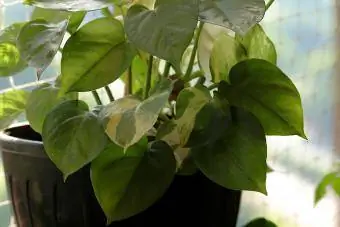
(201, 80)
(129, 81)
(148, 78)
(109, 93)
(106, 12)
(96, 97)
(269, 4)
(167, 69)
(194, 50)
(213, 86)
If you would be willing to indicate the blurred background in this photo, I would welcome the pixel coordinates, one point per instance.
(305, 35)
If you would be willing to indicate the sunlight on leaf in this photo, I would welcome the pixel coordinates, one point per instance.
(39, 41)
(12, 104)
(238, 15)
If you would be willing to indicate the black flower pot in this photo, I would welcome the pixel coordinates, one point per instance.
(40, 198)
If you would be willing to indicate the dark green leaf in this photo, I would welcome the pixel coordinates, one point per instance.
(331, 179)
(41, 101)
(238, 161)
(226, 53)
(72, 136)
(10, 60)
(168, 132)
(95, 56)
(71, 5)
(127, 120)
(260, 222)
(258, 45)
(264, 90)
(187, 165)
(238, 15)
(126, 183)
(164, 32)
(39, 41)
(56, 16)
(12, 104)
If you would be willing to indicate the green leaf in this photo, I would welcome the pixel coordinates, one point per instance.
(39, 41)
(95, 56)
(126, 120)
(139, 72)
(258, 45)
(238, 161)
(164, 32)
(71, 5)
(72, 136)
(226, 53)
(205, 45)
(264, 90)
(127, 183)
(49, 15)
(41, 101)
(199, 119)
(260, 222)
(10, 60)
(238, 15)
(75, 21)
(56, 16)
(12, 104)
(331, 179)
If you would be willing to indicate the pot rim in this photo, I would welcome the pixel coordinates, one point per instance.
(12, 144)
(4, 136)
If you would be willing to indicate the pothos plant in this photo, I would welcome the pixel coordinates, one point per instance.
(177, 117)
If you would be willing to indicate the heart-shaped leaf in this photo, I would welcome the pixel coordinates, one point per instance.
(164, 32)
(41, 101)
(71, 5)
(260, 222)
(72, 136)
(39, 41)
(10, 60)
(126, 120)
(56, 16)
(238, 160)
(264, 90)
(258, 45)
(95, 56)
(140, 173)
(226, 53)
(12, 104)
(238, 15)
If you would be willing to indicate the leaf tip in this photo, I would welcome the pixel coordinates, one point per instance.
(303, 135)
(65, 177)
(262, 189)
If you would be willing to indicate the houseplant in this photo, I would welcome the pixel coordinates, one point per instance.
(184, 118)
